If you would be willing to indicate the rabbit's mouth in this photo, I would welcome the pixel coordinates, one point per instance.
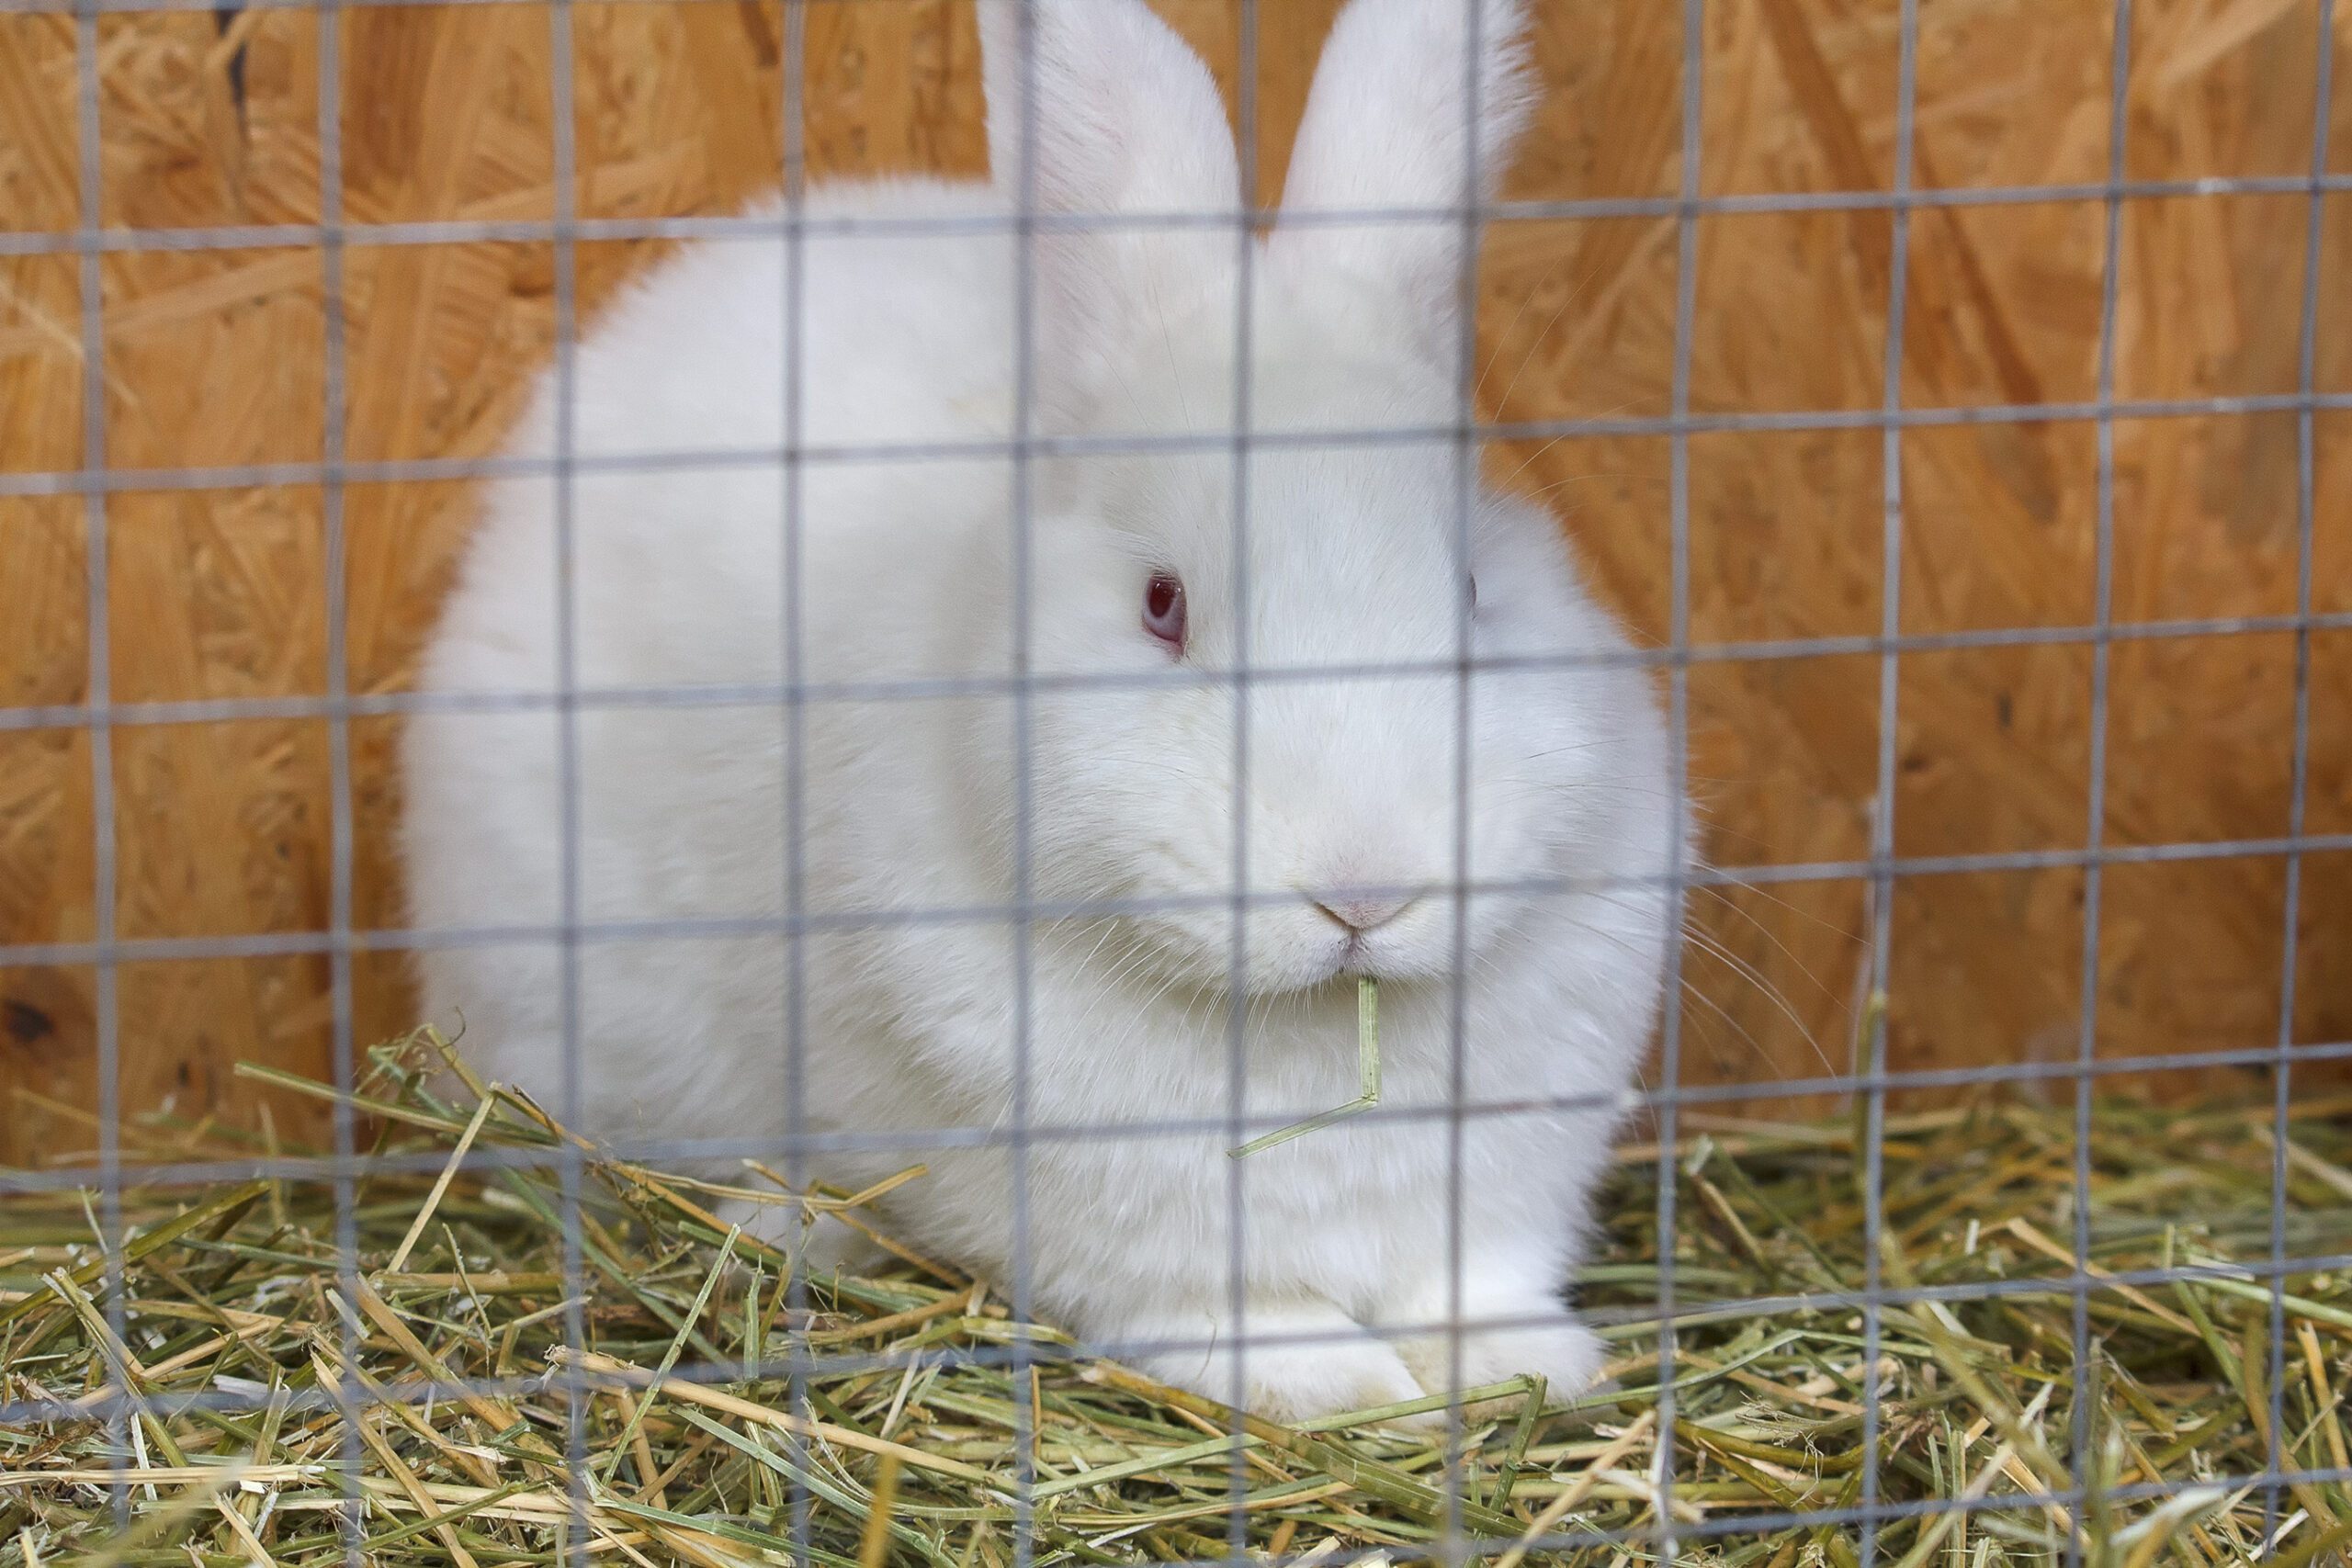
(1363, 958)
(1369, 926)
(1289, 948)
(1401, 934)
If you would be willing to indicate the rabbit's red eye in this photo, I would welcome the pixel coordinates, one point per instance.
(1163, 610)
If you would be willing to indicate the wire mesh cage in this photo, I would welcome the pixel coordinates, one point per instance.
(1948, 406)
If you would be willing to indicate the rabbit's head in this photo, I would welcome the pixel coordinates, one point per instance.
(1326, 575)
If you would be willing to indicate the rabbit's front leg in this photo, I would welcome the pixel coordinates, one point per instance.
(1296, 1359)
(1512, 1322)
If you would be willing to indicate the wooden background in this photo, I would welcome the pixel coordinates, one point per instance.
(216, 357)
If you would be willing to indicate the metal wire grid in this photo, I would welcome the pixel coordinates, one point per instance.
(2093, 883)
(99, 715)
(2306, 532)
(1889, 688)
(1238, 1016)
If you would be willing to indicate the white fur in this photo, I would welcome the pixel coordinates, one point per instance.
(906, 568)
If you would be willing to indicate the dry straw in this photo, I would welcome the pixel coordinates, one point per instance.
(452, 1337)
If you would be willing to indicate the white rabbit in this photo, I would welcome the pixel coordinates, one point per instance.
(1072, 1097)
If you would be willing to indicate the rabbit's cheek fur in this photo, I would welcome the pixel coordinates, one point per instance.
(1347, 788)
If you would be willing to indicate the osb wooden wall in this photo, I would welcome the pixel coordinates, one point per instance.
(216, 357)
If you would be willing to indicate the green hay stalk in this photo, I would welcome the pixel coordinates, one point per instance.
(1367, 1077)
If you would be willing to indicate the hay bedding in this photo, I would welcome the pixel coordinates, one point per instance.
(909, 1438)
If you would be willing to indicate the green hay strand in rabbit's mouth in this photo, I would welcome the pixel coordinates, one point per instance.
(1367, 1077)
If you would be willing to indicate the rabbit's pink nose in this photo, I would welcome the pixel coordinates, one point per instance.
(1363, 914)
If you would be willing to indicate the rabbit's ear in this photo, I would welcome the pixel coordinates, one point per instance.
(1403, 122)
(1096, 109)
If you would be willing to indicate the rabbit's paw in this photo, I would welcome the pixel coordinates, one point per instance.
(1293, 1362)
(1504, 1333)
